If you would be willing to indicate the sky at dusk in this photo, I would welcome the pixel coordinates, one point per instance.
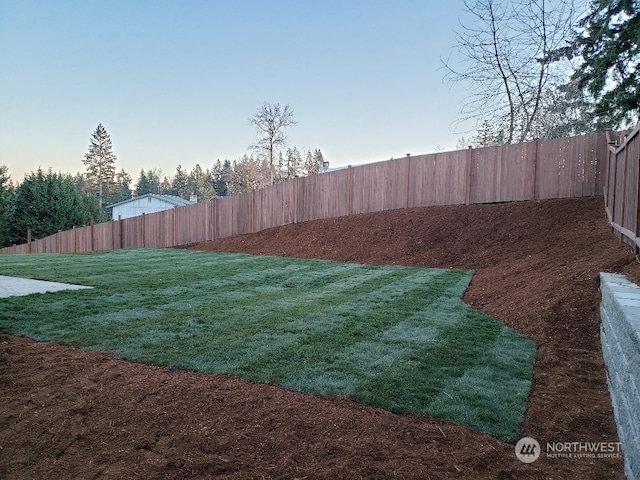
(175, 82)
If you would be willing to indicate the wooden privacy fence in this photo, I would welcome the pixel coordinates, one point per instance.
(566, 167)
(622, 187)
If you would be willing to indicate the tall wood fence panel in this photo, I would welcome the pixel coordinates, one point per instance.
(324, 196)
(234, 215)
(379, 186)
(569, 167)
(276, 205)
(103, 236)
(622, 187)
(502, 173)
(438, 179)
(192, 224)
(132, 232)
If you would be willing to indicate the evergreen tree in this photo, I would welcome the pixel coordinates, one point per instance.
(609, 44)
(180, 183)
(142, 185)
(123, 187)
(490, 134)
(222, 175)
(48, 202)
(201, 184)
(293, 164)
(280, 171)
(150, 182)
(318, 161)
(100, 161)
(6, 206)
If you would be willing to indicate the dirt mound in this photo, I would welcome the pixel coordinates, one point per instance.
(69, 413)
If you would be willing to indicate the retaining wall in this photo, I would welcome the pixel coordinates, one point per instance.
(620, 335)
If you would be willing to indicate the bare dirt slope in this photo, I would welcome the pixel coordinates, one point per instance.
(67, 413)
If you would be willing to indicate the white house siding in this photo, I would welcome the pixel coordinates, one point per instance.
(143, 205)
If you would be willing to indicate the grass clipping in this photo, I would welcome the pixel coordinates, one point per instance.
(394, 337)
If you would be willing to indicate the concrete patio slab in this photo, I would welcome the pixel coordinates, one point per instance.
(16, 286)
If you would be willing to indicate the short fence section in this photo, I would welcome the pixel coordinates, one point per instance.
(622, 187)
(559, 168)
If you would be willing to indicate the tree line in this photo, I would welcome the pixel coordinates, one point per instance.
(45, 202)
(228, 177)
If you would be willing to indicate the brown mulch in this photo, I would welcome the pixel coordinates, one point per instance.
(68, 413)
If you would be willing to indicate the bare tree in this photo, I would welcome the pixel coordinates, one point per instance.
(249, 173)
(270, 121)
(506, 60)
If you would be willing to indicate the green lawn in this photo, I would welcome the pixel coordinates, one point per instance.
(396, 337)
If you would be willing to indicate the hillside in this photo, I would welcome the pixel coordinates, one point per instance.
(537, 266)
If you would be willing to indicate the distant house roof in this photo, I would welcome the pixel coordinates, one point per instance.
(172, 199)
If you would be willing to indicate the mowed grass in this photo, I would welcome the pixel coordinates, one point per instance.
(395, 337)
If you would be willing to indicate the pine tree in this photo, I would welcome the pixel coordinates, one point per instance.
(610, 48)
(201, 183)
(180, 183)
(48, 202)
(122, 188)
(151, 181)
(6, 205)
(293, 164)
(222, 175)
(143, 186)
(313, 162)
(318, 160)
(100, 161)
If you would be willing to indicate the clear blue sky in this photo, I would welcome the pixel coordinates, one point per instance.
(174, 82)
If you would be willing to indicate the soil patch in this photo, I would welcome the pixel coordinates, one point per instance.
(68, 413)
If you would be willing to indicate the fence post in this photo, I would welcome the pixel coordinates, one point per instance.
(534, 168)
(174, 221)
(29, 238)
(469, 165)
(144, 233)
(92, 234)
(296, 188)
(349, 190)
(214, 206)
(408, 177)
(613, 183)
(636, 227)
(624, 190)
(252, 206)
(208, 222)
(120, 232)
(74, 241)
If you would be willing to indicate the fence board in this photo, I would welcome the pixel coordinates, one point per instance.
(438, 179)
(192, 223)
(553, 170)
(275, 205)
(132, 232)
(501, 173)
(379, 186)
(324, 196)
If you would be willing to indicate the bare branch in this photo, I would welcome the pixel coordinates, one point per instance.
(506, 60)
